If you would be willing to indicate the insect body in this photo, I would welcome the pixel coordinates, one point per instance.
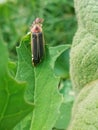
(37, 41)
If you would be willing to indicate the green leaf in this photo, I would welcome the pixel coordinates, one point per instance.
(25, 123)
(42, 84)
(55, 52)
(65, 88)
(85, 110)
(46, 95)
(47, 98)
(84, 67)
(13, 107)
(62, 65)
(64, 117)
(66, 107)
(84, 51)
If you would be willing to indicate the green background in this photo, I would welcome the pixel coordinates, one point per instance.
(16, 18)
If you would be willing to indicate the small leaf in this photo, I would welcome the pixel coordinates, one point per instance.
(66, 107)
(64, 117)
(61, 67)
(66, 89)
(13, 107)
(55, 52)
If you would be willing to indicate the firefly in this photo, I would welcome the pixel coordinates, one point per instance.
(37, 41)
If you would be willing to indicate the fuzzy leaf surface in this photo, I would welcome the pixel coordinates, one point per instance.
(84, 67)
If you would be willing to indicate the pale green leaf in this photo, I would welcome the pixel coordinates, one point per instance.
(64, 117)
(66, 107)
(85, 110)
(65, 88)
(84, 67)
(84, 51)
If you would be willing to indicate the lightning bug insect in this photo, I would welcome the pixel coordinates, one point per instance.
(37, 41)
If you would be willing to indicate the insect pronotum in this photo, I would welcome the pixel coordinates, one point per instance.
(37, 41)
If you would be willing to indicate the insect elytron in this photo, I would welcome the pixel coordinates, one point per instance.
(37, 41)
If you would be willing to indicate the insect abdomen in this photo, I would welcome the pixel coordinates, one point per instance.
(37, 47)
(41, 43)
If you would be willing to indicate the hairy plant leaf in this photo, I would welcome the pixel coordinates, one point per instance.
(84, 52)
(13, 107)
(84, 67)
(85, 110)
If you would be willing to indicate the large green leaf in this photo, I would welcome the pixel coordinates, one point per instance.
(84, 67)
(47, 98)
(42, 84)
(13, 107)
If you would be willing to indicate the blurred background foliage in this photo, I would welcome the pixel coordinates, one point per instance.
(16, 17)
